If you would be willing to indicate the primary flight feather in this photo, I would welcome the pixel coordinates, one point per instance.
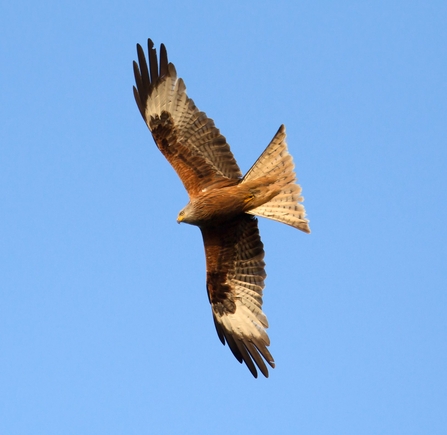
(222, 203)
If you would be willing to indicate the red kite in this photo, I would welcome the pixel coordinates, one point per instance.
(222, 203)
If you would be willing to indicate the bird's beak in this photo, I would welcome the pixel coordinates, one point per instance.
(179, 219)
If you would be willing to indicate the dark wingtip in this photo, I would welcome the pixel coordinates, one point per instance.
(163, 61)
(153, 61)
(148, 73)
(138, 101)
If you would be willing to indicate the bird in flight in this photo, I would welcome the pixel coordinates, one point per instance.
(222, 202)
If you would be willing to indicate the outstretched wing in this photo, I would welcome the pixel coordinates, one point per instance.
(187, 137)
(235, 280)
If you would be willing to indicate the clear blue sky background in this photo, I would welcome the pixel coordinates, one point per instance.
(105, 326)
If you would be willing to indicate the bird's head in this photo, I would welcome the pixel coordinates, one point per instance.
(186, 215)
(181, 216)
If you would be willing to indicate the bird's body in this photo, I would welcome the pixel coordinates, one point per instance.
(234, 199)
(222, 203)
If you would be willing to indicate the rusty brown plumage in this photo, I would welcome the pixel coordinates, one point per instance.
(222, 202)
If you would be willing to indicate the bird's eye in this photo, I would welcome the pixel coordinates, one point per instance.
(182, 213)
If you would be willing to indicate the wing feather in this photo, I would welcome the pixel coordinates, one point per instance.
(187, 137)
(235, 282)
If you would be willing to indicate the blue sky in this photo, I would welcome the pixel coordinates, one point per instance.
(105, 326)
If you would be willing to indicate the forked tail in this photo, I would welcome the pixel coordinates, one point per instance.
(276, 162)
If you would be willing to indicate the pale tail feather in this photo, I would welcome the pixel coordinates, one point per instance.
(276, 162)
